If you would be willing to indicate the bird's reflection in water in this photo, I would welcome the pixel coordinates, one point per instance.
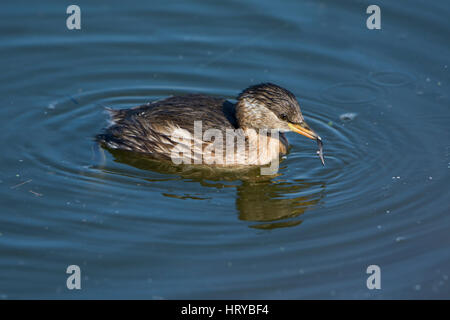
(269, 201)
(276, 204)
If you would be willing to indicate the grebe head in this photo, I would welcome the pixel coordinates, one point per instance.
(268, 106)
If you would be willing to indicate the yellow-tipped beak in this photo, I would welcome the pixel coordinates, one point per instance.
(303, 129)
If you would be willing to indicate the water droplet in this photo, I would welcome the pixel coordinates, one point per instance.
(349, 116)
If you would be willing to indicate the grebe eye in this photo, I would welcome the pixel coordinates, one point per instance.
(283, 117)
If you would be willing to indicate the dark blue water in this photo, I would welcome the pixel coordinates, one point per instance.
(141, 230)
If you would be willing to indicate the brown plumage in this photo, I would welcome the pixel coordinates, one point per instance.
(149, 128)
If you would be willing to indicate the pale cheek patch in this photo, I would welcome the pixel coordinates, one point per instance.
(264, 118)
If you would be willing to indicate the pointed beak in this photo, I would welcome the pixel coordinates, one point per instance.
(303, 129)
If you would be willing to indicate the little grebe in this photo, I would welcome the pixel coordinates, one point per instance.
(150, 128)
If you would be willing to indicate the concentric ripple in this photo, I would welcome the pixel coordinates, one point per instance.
(351, 93)
(390, 79)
